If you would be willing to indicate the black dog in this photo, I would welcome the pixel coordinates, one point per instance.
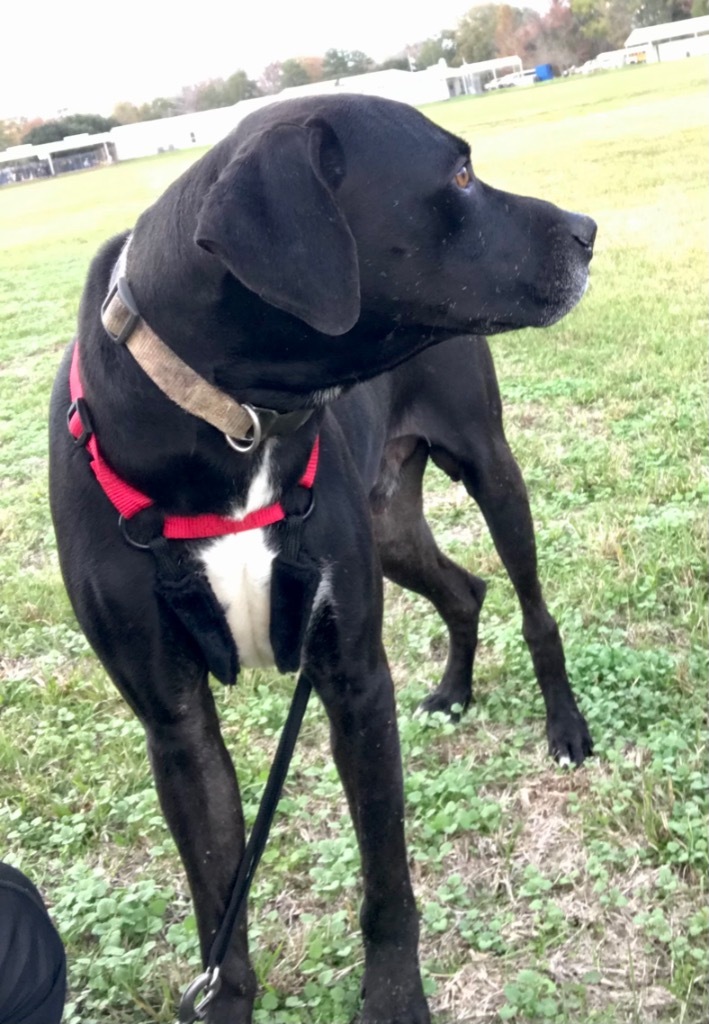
(322, 243)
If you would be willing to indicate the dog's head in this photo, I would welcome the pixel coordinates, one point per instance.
(334, 208)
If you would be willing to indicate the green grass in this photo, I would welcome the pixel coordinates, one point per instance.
(544, 895)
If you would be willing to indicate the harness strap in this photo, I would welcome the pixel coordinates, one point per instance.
(128, 500)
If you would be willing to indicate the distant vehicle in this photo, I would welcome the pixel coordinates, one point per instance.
(515, 78)
(611, 60)
(588, 68)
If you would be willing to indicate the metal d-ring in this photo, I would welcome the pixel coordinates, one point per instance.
(211, 983)
(249, 442)
(123, 526)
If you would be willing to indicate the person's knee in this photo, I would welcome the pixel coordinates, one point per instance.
(32, 959)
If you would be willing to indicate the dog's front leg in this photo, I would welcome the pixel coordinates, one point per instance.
(199, 796)
(198, 793)
(193, 771)
(365, 744)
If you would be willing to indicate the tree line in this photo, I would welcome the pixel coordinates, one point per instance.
(567, 34)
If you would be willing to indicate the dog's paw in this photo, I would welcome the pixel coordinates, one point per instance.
(391, 990)
(397, 1008)
(451, 705)
(403, 1015)
(570, 741)
(239, 1012)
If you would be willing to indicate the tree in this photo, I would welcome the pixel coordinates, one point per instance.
(560, 41)
(11, 133)
(509, 22)
(475, 36)
(126, 113)
(440, 47)
(343, 63)
(161, 106)
(210, 95)
(73, 124)
(606, 24)
(400, 63)
(293, 73)
(240, 87)
(271, 78)
(335, 64)
(618, 24)
(529, 42)
(313, 65)
(657, 12)
(49, 131)
(595, 25)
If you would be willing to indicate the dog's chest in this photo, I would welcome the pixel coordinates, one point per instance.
(239, 568)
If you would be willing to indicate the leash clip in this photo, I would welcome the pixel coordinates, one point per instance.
(210, 982)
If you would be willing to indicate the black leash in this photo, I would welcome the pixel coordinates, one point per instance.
(208, 983)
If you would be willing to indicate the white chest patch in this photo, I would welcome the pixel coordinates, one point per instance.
(239, 569)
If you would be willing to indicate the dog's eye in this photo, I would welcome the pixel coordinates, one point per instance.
(463, 177)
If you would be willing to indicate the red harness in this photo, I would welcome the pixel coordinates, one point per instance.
(129, 501)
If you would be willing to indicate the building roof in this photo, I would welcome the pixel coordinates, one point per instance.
(670, 30)
(70, 144)
(495, 64)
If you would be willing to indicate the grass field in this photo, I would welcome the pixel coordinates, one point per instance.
(545, 895)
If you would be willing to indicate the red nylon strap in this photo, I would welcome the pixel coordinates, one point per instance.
(308, 477)
(129, 501)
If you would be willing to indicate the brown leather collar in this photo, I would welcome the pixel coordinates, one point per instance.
(243, 425)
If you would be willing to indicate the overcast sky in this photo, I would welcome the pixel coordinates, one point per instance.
(85, 55)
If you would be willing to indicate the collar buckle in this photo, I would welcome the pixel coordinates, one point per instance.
(118, 321)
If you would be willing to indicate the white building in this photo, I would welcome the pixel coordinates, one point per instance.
(673, 41)
(432, 85)
(73, 153)
(209, 126)
(414, 87)
(470, 79)
(204, 128)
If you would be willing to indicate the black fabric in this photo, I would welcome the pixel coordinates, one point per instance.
(32, 959)
(294, 582)
(188, 594)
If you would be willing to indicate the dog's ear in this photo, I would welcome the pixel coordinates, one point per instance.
(273, 219)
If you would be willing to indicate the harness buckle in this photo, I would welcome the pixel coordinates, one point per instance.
(80, 409)
(122, 289)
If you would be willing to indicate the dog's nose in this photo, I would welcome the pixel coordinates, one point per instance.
(583, 229)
